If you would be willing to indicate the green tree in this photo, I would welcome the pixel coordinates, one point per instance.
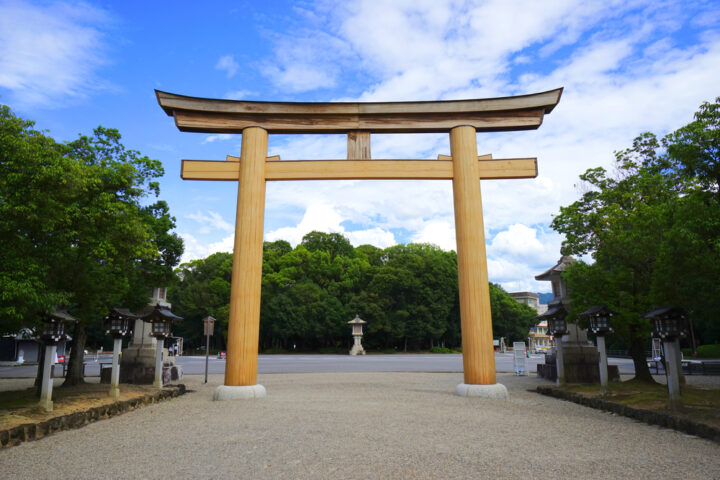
(653, 231)
(202, 289)
(74, 229)
(510, 318)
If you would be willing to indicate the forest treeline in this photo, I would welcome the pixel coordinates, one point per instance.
(408, 294)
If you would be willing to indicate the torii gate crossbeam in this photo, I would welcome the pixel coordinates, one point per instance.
(460, 118)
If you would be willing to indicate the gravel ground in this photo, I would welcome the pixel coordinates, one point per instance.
(365, 426)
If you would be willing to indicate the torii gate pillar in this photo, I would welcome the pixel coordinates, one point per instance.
(244, 324)
(475, 315)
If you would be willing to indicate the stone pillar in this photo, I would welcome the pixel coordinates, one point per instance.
(159, 363)
(115, 374)
(475, 317)
(560, 360)
(47, 380)
(672, 362)
(603, 363)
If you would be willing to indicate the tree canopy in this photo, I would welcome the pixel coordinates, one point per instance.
(408, 294)
(653, 231)
(77, 228)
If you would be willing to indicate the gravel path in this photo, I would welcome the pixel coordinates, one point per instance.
(364, 426)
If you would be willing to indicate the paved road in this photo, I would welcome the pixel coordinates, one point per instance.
(193, 365)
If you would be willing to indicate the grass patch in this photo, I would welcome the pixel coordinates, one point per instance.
(699, 404)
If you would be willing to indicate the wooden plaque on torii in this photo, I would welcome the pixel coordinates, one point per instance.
(460, 118)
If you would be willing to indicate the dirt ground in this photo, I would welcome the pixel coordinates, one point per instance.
(18, 403)
(700, 403)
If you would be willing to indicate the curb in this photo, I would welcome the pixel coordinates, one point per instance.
(35, 431)
(648, 416)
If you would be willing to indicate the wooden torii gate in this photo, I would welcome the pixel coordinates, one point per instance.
(460, 118)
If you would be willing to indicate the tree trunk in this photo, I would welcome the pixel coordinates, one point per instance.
(637, 352)
(74, 374)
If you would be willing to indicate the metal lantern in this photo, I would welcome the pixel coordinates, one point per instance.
(161, 319)
(118, 322)
(599, 319)
(555, 317)
(54, 329)
(669, 323)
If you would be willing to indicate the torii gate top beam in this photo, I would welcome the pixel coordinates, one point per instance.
(195, 114)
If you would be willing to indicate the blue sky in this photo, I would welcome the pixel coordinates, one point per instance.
(627, 67)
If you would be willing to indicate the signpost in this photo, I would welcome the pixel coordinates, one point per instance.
(209, 324)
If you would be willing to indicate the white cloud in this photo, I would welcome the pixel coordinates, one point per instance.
(195, 249)
(210, 221)
(623, 68)
(437, 232)
(373, 236)
(238, 94)
(51, 52)
(324, 218)
(218, 137)
(227, 64)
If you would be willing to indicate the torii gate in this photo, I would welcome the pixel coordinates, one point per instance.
(460, 118)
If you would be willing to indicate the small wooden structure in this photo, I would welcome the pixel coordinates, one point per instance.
(460, 118)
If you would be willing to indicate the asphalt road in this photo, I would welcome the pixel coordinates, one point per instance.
(195, 365)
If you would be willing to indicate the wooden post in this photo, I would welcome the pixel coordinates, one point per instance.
(358, 145)
(244, 322)
(475, 317)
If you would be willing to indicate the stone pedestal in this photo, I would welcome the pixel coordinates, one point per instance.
(357, 348)
(138, 359)
(580, 358)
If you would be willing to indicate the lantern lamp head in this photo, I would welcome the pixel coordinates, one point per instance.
(161, 319)
(598, 319)
(54, 326)
(555, 317)
(669, 323)
(118, 322)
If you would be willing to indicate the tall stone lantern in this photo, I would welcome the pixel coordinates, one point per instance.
(118, 325)
(357, 333)
(577, 358)
(670, 324)
(53, 331)
(161, 319)
(599, 323)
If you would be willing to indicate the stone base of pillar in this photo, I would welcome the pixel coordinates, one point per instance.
(496, 390)
(47, 405)
(114, 392)
(240, 392)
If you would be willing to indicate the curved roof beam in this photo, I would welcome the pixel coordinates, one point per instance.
(209, 115)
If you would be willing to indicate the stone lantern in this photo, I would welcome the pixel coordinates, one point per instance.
(53, 331)
(557, 327)
(118, 325)
(357, 334)
(599, 323)
(161, 319)
(670, 324)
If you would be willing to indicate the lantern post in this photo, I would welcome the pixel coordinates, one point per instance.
(557, 326)
(599, 324)
(669, 324)
(161, 319)
(53, 332)
(118, 325)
